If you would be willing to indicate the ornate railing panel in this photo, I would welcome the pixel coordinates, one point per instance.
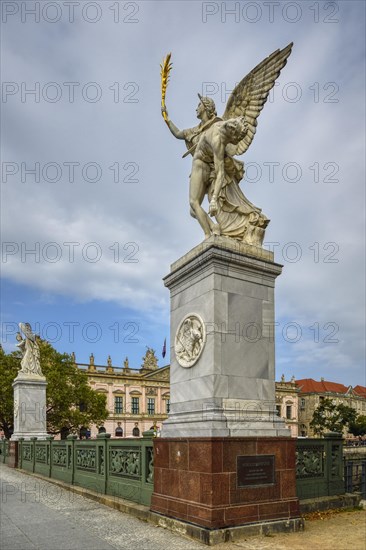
(86, 459)
(41, 453)
(101, 461)
(125, 462)
(59, 456)
(310, 461)
(150, 464)
(27, 452)
(319, 467)
(336, 460)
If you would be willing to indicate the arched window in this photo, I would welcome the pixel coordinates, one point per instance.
(119, 431)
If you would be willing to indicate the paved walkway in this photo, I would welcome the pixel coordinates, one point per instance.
(36, 514)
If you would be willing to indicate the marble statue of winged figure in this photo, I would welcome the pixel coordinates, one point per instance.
(214, 143)
(30, 363)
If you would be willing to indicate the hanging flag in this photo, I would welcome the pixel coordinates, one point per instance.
(163, 353)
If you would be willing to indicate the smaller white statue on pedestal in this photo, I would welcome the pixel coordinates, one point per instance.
(29, 347)
(30, 403)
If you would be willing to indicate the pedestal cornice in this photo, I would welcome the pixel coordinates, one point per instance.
(225, 257)
(29, 379)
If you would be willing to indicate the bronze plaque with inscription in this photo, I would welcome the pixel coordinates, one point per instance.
(255, 470)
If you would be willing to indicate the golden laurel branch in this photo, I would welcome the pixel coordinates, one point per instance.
(165, 67)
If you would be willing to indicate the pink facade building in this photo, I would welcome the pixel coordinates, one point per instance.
(137, 400)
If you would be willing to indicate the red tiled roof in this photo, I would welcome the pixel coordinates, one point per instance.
(308, 385)
(360, 390)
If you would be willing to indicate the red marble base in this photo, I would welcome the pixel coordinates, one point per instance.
(12, 461)
(195, 480)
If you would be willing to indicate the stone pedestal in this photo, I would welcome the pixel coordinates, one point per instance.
(230, 390)
(224, 459)
(225, 482)
(29, 407)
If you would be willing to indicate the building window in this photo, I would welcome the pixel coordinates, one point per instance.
(118, 405)
(150, 405)
(136, 431)
(278, 409)
(302, 403)
(135, 405)
(288, 412)
(167, 406)
(119, 430)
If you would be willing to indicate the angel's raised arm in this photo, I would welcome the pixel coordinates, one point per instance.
(179, 134)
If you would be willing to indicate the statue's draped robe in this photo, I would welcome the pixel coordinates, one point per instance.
(30, 362)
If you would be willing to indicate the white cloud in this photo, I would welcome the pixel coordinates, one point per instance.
(153, 212)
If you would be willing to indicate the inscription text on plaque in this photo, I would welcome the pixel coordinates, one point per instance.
(255, 470)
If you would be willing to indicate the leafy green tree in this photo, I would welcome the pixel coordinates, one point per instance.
(9, 366)
(71, 402)
(358, 427)
(329, 417)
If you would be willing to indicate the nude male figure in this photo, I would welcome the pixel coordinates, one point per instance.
(208, 140)
(210, 150)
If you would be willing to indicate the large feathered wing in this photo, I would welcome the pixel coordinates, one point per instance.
(27, 331)
(249, 96)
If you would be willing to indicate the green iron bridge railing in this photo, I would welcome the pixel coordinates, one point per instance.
(319, 467)
(121, 468)
(125, 467)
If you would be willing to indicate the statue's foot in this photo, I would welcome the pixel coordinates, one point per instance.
(212, 209)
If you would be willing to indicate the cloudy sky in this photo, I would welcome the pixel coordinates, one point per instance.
(94, 184)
